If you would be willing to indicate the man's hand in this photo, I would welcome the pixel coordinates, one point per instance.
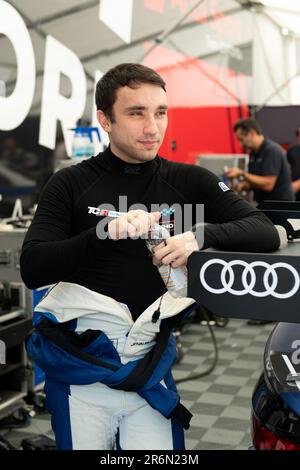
(234, 172)
(133, 224)
(296, 185)
(175, 250)
(241, 186)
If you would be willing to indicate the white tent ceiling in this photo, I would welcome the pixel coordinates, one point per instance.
(76, 24)
(260, 36)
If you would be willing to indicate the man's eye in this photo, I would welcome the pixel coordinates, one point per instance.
(136, 113)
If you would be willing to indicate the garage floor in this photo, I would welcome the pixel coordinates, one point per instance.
(220, 402)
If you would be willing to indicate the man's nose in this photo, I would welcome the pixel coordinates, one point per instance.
(150, 126)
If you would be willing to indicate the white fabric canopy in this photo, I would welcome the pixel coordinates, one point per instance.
(228, 39)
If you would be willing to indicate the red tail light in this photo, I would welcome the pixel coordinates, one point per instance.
(263, 439)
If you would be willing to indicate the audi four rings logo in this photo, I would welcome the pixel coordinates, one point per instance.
(270, 279)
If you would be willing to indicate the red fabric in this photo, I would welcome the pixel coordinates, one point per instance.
(200, 131)
(205, 100)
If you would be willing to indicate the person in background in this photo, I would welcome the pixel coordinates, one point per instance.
(293, 156)
(268, 173)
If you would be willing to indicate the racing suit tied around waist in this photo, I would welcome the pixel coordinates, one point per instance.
(83, 337)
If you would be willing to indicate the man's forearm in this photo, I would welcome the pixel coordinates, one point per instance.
(48, 262)
(253, 233)
(266, 183)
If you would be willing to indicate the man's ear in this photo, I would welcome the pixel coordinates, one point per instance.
(104, 121)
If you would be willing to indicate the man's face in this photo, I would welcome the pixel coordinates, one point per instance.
(245, 140)
(140, 122)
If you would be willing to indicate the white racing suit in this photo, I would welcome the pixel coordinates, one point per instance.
(108, 378)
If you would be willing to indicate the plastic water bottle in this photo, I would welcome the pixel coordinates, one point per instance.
(82, 145)
(90, 148)
(79, 143)
(175, 279)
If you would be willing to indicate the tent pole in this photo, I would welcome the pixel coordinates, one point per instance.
(256, 109)
(160, 39)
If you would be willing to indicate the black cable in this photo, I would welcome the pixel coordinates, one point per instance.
(215, 360)
(155, 317)
(156, 313)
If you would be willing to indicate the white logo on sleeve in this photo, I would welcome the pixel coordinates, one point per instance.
(223, 186)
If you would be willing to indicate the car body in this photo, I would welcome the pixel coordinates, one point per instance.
(275, 419)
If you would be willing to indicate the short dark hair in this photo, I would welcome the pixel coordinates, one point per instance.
(128, 74)
(246, 125)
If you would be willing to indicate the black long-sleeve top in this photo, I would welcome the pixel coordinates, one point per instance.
(62, 245)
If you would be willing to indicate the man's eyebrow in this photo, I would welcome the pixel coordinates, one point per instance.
(135, 108)
(142, 108)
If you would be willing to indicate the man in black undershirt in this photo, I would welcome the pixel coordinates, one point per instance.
(105, 279)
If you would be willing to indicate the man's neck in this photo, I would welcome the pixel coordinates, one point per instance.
(258, 143)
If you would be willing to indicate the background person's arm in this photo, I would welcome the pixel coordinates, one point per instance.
(296, 185)
(266, 183)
